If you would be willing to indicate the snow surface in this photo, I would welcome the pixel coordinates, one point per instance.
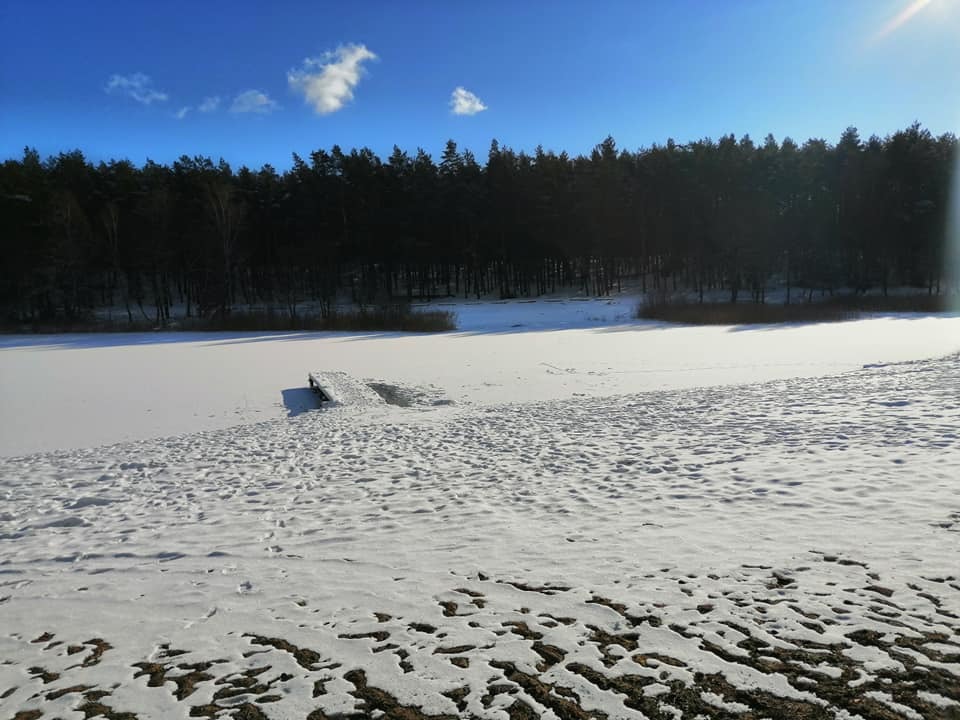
(787, 544)
(73, 391)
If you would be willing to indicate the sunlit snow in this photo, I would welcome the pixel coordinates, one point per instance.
(618, 519)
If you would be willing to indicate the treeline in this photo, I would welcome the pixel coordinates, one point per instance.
(728, 215)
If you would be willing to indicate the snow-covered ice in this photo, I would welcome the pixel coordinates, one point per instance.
(73, 391)
(625, 522)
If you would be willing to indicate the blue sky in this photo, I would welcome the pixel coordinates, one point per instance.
(111, 78)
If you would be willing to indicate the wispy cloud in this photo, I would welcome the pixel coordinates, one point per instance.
(209, 104)
(464, 102)
(253, 101)
(182, 112)
(327, 82)
(137, 86)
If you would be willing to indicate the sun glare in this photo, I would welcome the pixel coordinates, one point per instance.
(901, 18)
(953, 240)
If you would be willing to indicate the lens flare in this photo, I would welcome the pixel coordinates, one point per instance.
(952, 239)
(901, 19)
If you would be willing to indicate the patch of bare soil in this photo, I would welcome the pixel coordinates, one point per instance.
(900, 662)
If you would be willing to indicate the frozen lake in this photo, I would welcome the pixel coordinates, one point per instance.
(71, 391)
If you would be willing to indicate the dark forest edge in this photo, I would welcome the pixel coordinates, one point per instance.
(392, 318)
(194, 242)
(835, 309)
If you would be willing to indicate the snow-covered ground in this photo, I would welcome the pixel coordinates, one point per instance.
(609, 521)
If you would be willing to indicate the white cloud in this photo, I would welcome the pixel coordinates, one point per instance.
(137, 86)
(464, 102)
(253, 101)
(209, 104)
(327, 82)
(182, 112)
